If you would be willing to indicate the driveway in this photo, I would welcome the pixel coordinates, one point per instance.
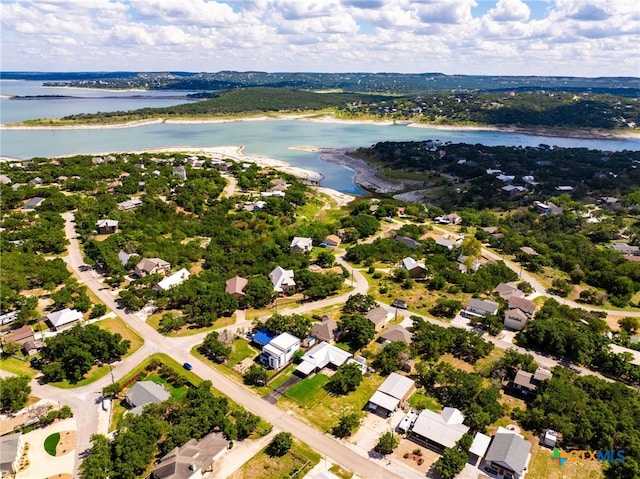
(41, 464)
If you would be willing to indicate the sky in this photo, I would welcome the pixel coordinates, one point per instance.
(589, 38)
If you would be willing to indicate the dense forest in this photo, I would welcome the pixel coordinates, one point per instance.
(348, 81)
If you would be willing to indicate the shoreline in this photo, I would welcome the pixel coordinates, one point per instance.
(585, 134)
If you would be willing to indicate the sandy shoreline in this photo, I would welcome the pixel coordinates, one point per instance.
(315, 118)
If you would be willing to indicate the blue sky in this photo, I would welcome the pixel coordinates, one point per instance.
(508, 37)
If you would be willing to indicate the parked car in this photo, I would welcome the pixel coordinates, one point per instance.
(187, 366)
(399, 303)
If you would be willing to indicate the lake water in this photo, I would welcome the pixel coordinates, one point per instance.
(267, 138)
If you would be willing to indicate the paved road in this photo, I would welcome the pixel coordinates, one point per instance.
(85, 396)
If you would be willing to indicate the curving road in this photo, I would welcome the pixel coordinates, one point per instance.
(85, 400)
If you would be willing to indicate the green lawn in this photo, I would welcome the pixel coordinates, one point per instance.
(309, 391)
(542, 467)
(299, 460)
(18, 367)
(95, 373)
(177, 393)
(241, 349)
(423, 401)
(282, 377)
(325, 414)
(51, 442)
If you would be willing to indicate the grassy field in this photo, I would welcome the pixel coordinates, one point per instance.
(18, 367)
(420, 400)
(326, 413)
(117, 325)
(188, 329)
(542, 467)
(299, 458)
(241, 349)
(309, 391)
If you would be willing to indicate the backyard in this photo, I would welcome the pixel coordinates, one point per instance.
(261, 466)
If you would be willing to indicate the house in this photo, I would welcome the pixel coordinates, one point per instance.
(267, 194)
(300, 245)
(626, 249)
(180, 171)
(438, 430)
(129, 204)
(479, 308)
(5, 180)
(36, 181)
(450, 219)
(321, 356)
(393, 392)
(512, 190)
(143, 393)
(327, 330)
(263, 337)
(635, 354)
(528, 383)
(152, 266)
(478, 448)
(192, 459)
(509, 453)
(11, 448)
(235, 286)
(415, 269)
(282, 279)
(332, 241)
(33, 203)
(64, 319)
(175, 279)
(20, 336)
(505, 178)
(519, 311)
(379, 317)
(409, 242)
(32, 347)
(465, 264)
(125, 257)
(529, 250)
(506, 290)
(547, 208)
(279, 351)
(445, 243)
(396, 333)
(564, 189)
(105, 227)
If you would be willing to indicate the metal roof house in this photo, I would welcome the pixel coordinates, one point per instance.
(321, 356)
(439, 430)
(392, 393)
(282, 279)
(65, 318)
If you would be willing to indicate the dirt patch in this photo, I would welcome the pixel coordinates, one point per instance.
(66, 444)
(61, 476)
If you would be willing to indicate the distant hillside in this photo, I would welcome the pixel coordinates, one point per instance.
(400, 83)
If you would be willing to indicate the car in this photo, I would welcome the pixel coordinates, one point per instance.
(399, 303)
(187, 366)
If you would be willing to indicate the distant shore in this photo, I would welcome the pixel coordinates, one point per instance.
(313, 117)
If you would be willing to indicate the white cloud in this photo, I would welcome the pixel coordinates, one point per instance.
(510, 11)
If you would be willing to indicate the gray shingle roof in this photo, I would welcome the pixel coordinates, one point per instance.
(509, 449)
(146, 392)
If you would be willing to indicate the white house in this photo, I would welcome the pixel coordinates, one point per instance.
(65, 318)
(320, 356)
(282, 279)
(11, 448)
(300, 245)
(392, 393)
(279, 351)
(479, 308)
(175, 279)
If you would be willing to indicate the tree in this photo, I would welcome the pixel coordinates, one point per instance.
(360, 303)
(629, 324)
(171, 322)
(14, 393)
(446, 308)
(391, 358)
(256, 376)
(451, 462)
(387, 443)
(325, 259)
(98, 310)
(11, 348)
(295, 324)
(280, 444)
(258, 292)
(346, 379)
(98, 463)
(357, 330)
(346, 425)
(213, 348)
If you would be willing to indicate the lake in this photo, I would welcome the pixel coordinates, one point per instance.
(267, 138)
